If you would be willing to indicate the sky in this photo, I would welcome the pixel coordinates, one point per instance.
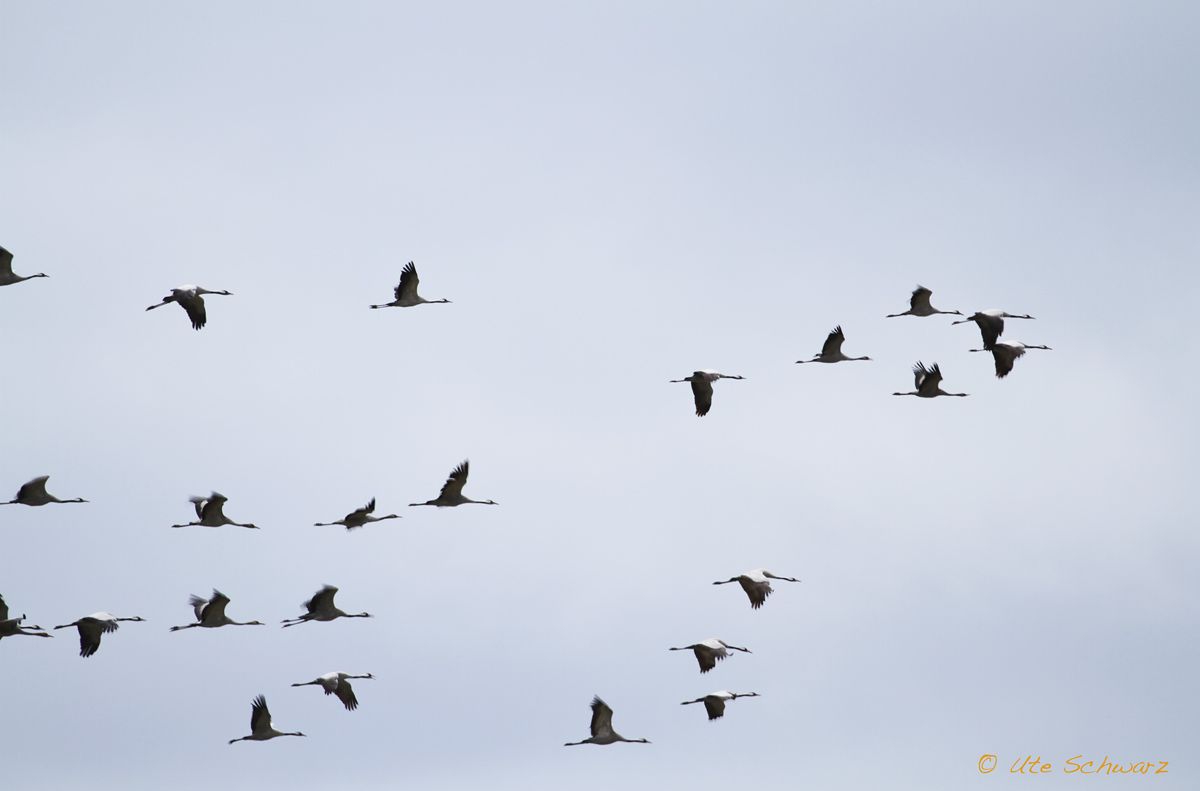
(612, 195)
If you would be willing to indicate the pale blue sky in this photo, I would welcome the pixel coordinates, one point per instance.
(613, 195)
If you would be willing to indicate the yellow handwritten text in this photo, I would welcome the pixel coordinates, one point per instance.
(1031, 764)
(1076, 765)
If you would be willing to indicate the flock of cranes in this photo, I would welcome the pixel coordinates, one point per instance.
(210, 613)
(757, 583)
(191, 298)
(928, 379)
(210, 512)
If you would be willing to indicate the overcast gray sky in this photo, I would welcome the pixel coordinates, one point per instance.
(613, 195)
